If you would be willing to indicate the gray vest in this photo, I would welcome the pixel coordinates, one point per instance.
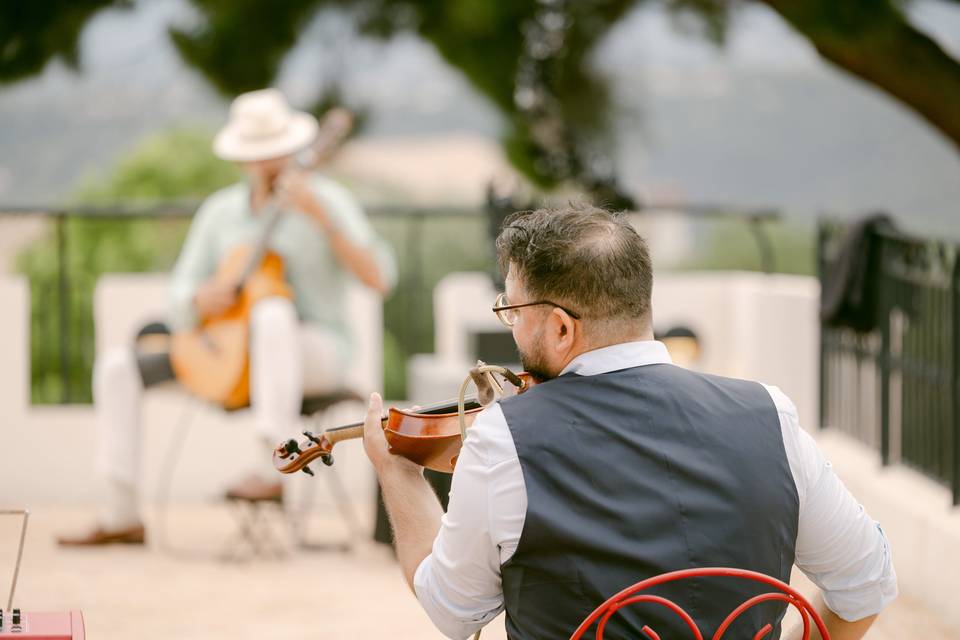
(637, 472)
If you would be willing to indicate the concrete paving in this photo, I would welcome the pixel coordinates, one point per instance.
(181, 590)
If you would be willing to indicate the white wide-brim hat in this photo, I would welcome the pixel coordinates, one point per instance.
(262, 126)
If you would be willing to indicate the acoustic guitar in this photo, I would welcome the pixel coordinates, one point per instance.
(212, 361)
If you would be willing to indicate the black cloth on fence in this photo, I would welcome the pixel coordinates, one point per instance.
(849, 296)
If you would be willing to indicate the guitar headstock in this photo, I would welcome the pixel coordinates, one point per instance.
(292, 456)
(335, 126)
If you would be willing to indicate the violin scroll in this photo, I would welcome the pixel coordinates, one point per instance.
(291, 456)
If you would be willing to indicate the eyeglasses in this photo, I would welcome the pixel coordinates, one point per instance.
(508, 314)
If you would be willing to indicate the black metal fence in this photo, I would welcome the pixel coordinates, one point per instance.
(65, 263)
(85, 241)
(897, 388)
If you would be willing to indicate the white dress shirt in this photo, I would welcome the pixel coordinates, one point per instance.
(839, 547)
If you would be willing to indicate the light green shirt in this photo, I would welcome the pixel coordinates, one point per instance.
(319, 281)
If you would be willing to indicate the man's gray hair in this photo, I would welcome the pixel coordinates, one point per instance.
(581, 257)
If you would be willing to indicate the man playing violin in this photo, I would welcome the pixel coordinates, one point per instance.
(620, 466)
(297, 346)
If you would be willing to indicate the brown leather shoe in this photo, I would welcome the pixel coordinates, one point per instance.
(98, 536)
(255, 489)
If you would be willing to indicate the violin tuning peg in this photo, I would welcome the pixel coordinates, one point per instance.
(291, 446)
(308, 471)
(327, 459)
(311, 437)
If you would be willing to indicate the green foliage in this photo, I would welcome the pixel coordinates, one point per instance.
(260, 33)
(239, 46)
(539, 76)
(427, 249)
(32, 33)
(710, 18)
(172, 166)
(730, 245)
(168, 166)
(530, 58)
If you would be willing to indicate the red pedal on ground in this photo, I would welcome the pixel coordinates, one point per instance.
(15, 623)
(42, 626)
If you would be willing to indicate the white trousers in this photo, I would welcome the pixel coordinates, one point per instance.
(287, 360)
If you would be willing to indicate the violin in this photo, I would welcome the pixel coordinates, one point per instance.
(429, 436)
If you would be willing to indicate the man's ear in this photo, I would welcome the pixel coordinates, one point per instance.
(564, 329)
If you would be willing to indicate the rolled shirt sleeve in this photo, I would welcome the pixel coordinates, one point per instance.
(839, 546)
(841, 549)
(458, 584)
(348, 216)
(196, 263)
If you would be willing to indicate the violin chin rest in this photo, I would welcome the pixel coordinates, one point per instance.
(485, 392)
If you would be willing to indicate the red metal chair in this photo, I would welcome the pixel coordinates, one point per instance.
(627, 597)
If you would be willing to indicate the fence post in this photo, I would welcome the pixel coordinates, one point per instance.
(63, 302)
(955, 374)
(884, 304)
(764, 244)
(821, 275)
(418, 338)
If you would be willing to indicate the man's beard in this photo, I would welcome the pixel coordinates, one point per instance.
(534, 363)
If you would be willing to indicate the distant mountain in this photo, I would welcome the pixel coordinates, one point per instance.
(807, 143)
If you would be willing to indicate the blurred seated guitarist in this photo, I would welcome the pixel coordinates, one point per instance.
(299, 346)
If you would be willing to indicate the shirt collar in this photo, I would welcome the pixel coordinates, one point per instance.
(618, 356)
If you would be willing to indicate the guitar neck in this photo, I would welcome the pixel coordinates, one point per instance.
(260, 248)
(334, 128)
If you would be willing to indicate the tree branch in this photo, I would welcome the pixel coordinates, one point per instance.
(877, 44)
